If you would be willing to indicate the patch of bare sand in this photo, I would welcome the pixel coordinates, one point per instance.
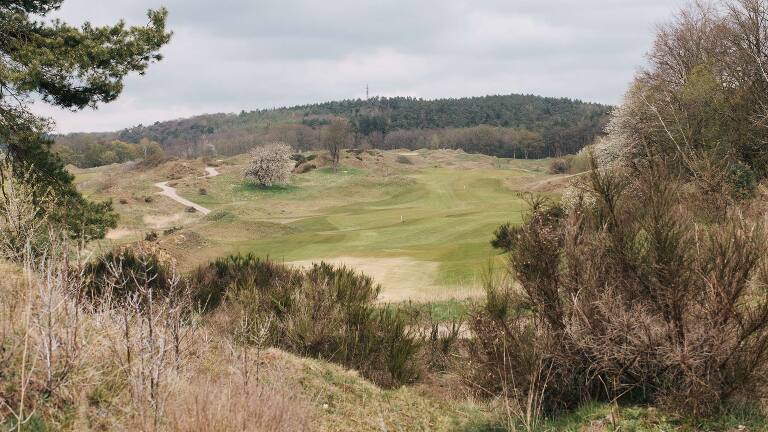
(161, 221)
(402, 278)
(121, 233)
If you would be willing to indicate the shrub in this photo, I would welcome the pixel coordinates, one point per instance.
(220, 215)
(299, 159)
(307, 167)
(404, 160)
(24, 215)
(558, 166)
(507, 355)
(116, 276)
(629, 298)
(743, 180)
(504, 237)
(581, 161)
(172, 230)
(270, 164)
(325, 312)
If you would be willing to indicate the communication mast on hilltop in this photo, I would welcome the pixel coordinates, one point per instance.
(367, 95)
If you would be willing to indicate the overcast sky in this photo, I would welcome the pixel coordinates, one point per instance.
(230, 55)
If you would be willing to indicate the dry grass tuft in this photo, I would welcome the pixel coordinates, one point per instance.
(219, 404)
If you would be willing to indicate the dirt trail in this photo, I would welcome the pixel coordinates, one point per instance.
(171, 193)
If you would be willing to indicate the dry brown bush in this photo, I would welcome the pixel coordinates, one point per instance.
(558, 166)
(628, 297)
(124, 356)
(140, 363)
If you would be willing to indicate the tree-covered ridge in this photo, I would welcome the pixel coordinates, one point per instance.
(531, 112)
(521, 125)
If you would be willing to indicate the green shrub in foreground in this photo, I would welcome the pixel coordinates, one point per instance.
(324, 312)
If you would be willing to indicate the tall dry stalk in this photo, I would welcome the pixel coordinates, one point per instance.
(157, 327)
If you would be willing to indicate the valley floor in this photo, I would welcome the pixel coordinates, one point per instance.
(419, 222)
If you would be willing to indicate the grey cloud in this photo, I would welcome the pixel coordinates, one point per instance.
(237, 54)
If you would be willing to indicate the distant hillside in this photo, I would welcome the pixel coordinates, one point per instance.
(510, 125)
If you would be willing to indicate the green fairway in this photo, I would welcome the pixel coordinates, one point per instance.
(445, 216)
(423, 231)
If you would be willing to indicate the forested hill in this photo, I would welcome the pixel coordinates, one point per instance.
(515, 111)
(505, 125)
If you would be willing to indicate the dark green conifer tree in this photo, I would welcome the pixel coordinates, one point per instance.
(69, 67)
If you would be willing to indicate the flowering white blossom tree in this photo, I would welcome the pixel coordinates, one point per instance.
(270, 164)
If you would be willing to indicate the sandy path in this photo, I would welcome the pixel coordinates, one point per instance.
(171, 193)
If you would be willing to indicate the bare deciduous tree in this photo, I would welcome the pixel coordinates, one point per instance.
(23, 214)
(336, 138)
(270, 164)
(703, 100)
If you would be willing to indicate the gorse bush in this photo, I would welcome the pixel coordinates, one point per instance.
(324, 312)
(300, 158)
(743, 180)
(504, 237)
(625, 296)
(236, 273)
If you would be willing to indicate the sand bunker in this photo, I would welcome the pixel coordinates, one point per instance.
(401, 279)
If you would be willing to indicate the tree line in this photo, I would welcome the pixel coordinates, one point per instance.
(87, 151)
(523, 126)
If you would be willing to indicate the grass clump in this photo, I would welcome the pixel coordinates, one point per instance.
(220, 216)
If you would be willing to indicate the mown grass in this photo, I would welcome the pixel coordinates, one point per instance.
(436, 212)
(439, 311)
(246, 187)
(444, 216)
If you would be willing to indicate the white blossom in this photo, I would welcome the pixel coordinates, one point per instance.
(270, 164)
